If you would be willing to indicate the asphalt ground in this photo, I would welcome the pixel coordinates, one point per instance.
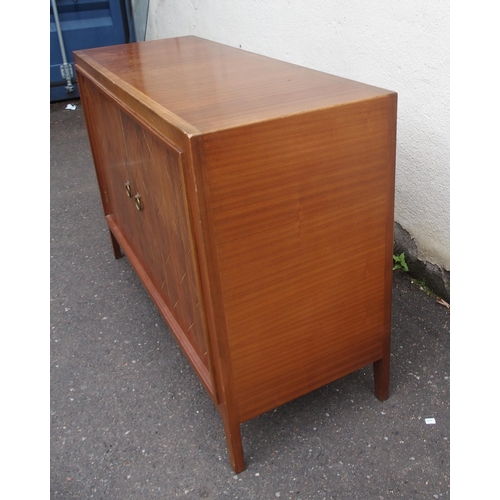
(130, 420)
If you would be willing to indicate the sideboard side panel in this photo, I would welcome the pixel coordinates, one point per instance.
(300, 209)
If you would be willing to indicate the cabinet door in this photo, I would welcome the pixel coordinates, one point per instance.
(141, 177)
(160, 228)
(105, 129)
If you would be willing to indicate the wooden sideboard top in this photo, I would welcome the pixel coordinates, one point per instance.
(204, 86)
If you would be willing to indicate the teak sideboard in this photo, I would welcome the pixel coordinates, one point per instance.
(255, 200)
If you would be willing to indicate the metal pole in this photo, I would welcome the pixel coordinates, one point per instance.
(66, 69)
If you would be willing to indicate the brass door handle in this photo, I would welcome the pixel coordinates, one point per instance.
(128, 189)
(138, 202)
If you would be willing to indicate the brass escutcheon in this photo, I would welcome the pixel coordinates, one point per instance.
(138, 202)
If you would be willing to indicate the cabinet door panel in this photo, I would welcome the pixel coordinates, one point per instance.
(126, 152)
(162, 235)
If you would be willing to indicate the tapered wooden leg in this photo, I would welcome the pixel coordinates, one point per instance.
(233, 440)
(117, 251)
(381, 375)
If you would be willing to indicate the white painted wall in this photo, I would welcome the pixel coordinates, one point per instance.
(401, 45)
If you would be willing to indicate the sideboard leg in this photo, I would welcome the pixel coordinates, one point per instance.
(117, 251)
(381, 375)
(233, 440)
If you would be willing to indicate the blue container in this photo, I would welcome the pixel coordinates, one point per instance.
(84, 24)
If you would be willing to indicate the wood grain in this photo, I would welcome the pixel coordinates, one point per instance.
(159, 235)
(207, 86)
(267, 211)
(299, 224)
